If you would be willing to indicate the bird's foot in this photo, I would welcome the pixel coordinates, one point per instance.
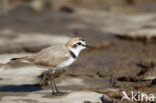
(58, 93)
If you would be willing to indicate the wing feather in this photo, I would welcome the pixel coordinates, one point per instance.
(51, 56)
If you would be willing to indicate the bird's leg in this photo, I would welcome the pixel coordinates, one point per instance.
(53, 92)
(52, 77)
(57, 91)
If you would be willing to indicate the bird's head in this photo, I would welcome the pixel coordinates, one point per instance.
(76, 45)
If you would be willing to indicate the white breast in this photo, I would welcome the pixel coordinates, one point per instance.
(66, 63)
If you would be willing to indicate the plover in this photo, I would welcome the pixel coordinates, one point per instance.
(56, 57)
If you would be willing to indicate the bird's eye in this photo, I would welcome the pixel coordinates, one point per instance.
(79, 43)
(82, 40)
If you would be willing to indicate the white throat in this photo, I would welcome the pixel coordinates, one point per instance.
(75, 51)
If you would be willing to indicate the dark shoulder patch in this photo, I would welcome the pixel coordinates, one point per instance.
(72, 54)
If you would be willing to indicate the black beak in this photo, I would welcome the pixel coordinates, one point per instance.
(87, 46)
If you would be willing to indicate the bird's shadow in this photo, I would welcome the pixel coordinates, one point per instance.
(20, 88)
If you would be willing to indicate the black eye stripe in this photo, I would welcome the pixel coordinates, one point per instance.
(79, 43)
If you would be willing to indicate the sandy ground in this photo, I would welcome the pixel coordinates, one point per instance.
(75, 97)
(122, 58)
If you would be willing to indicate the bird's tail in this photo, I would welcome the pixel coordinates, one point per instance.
(17, 59)
(22, 59)
(13, 59)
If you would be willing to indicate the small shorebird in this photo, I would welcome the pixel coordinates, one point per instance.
(56, 57)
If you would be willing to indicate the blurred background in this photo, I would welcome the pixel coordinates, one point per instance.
(122, 33)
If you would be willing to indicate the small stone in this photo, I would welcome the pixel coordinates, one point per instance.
(106, 99)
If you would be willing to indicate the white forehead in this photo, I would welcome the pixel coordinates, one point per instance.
(81, 41)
